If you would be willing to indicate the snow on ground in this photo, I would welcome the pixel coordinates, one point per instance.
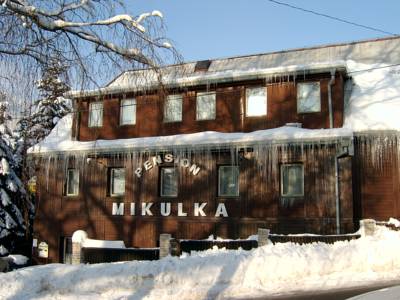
(217, 274)
(17, 259)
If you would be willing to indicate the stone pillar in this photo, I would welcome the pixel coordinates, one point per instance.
(4, 265)
(76, 256)
(165, 245)
(78, 238)
(367, 227)
(263, 234)
(175, 247)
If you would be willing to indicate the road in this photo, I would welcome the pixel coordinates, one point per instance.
(336, 294)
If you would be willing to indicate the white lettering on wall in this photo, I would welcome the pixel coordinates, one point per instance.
(165, 209)
(168, 158)
(221, 210)
(146, 209)
(185, 163)
(138, 172)
(118, 209)
(157, 160)
(198, 209)
(147, 165)
(181, 213)
(194, 169)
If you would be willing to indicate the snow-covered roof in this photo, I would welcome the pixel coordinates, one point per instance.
(59, 139)
(373, 104)
(308, 60)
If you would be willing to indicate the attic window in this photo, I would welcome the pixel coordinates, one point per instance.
(202, 66)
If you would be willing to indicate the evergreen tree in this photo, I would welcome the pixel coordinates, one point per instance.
(13, 196)
(52, 105)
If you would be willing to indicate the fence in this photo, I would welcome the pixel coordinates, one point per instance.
(103, 255)
(308, 239)
(170, 246)
(201, 245)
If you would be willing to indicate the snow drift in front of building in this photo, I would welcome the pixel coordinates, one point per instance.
(271, 270)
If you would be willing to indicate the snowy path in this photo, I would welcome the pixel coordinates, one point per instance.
(335, 294)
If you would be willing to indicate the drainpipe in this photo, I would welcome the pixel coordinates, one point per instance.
(337, 198)
(331, 82)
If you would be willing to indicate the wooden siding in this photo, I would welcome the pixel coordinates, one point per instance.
(259, 203)
(376, 177)
(230, 110)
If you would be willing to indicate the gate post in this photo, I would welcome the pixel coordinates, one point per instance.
(367, 227)
(165, 245)
(78, 238)
(263, 234)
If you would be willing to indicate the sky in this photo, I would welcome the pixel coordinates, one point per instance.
(207, 29)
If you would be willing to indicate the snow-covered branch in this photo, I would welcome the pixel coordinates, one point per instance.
(86, 33)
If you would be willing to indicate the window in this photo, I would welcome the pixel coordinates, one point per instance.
(128, 112)
(169, 182)
(96, 114)
(205, 106)
(228, 181)
(117, 182)
(256, 101)
(72, 188)
(173, 108)
(292, 180)
(308, 97)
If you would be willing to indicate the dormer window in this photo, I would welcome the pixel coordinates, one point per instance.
(256, 101)
(308, 97)
(128, 112)
(205, 106)
(96, 114)
(173, 108)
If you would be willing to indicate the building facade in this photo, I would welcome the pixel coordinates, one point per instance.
(224, 147)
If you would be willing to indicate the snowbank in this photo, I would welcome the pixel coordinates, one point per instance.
(17, 259)
(266, 271)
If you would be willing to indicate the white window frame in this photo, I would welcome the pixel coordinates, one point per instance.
(281, 184)
(219, 181)
(300, 99)
(162, 194)
(129, 105)
(68, 185)
(111, 183)
(260, 112)
(98, 122)
(168, 116)
(203, 95)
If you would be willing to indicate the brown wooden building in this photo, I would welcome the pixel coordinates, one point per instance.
(226, 146)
